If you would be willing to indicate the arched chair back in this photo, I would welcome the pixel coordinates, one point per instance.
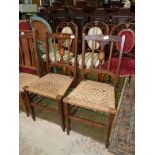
(70, 28)
(92, 28)
(42, 26)
(122, 65)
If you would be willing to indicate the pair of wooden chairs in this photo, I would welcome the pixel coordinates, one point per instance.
(88, 94)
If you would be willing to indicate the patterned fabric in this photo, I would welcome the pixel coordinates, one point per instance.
(122, 140)
(127, 67)
(52, 59)
(93, 95)
(25, 79)
(129, 40)
(69, 31)
(88, 57)
(94, 31)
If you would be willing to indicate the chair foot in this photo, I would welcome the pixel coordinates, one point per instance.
(107, 145)
(68, 132)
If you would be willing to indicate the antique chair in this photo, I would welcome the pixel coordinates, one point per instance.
(53, 86)
(42, 26)
(115, 31)
(126, 66)
(92, 28)
(28, 63)
(93, 95)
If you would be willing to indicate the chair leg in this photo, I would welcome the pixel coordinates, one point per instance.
(24, 104)
(111, 118)
(68, 121)
(29, 104)
(129, 79)
(60, 105)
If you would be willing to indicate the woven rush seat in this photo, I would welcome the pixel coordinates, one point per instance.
(93, 95)
(58, 57)
(51, 85)
(25, 79)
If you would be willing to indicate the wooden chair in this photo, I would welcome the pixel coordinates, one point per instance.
(126, 67)
(28, 63)
(93, 95)
(42, 26)
(54, 86)
(92, 28)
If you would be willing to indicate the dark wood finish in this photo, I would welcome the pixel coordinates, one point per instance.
(28, 59)
(58, 38)
(103, 40)
(28, 52)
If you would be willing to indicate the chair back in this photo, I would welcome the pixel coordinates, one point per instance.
(129, 40)
(95, 28)
(70, 28)
(61, 54)
(28, 52)
(103, 40)
(42, 26)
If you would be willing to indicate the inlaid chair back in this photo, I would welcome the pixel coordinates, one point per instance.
(103, 40)
(28, 52)
(70, 28)
(95, 28)
(61, 54)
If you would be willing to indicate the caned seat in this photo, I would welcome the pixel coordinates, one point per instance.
(25, 79)
(93, 95)
(49, 86)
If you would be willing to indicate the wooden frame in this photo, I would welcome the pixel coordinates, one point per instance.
(28, 59)
(103, 40)
(57, 38)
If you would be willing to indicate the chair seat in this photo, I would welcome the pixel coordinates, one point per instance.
(127, 67)
(51, 85)
(93, 95)
(25, 79)
(52, 59)
(88, 57)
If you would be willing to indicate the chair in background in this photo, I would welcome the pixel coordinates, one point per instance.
(93, 95)
(28, 63)
(54, 86)
(92, 28)
(126, 64)
(119, 27)
(41, 26)
(24, 25)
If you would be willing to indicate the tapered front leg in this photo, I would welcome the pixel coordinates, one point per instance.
(111, 118)
(60, 105)
(28, 101)
(24, 103)
(68, 121)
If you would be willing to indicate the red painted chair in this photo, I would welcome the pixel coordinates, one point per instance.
(24, 25)
(122, 66)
